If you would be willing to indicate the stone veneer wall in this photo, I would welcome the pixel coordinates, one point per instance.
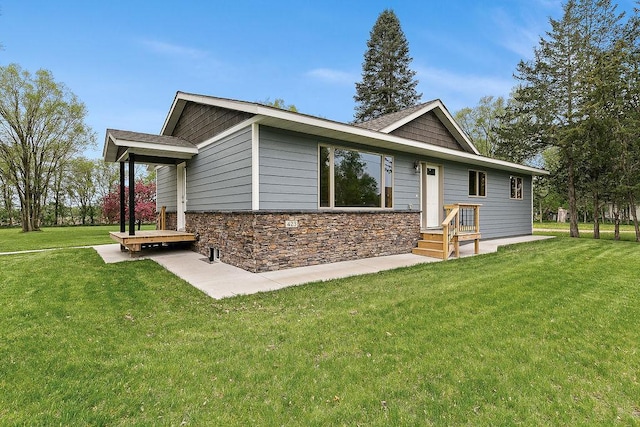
(171, 220)
(260, 241)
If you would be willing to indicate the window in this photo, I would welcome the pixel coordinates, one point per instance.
(477, 184)
(355, 179)
(516, 187)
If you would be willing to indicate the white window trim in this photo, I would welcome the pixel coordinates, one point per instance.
(517, 178)
(332, 194)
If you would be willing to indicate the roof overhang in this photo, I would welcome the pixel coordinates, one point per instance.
(146, 148)
(357, 135)
(296, 122)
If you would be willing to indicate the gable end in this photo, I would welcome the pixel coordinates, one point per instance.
(199, 122)
(428, 129)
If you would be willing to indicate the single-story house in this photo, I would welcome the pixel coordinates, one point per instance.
(269, 189)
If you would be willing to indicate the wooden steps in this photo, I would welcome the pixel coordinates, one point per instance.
(462, 223)
(431, 245)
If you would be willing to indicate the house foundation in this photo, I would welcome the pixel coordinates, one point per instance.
(267, 241)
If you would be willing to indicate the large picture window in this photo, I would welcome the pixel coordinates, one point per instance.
(516, 187)
(355, 179)
(477, 183)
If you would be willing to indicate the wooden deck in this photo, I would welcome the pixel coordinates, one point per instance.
(148, 238)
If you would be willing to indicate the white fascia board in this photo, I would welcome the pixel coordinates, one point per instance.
(369, 137)
(155, 147)
(464, 157)
(259, 109)
(105, 149)
(461, 156)
(373, 138)
(150, 152)
(248, 107)
(172, 116)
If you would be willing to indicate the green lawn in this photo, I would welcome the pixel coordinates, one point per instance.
(13, 239)
(538, 334)
(627, 232)
(582, 226)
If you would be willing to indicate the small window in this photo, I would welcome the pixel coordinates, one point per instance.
(516, 187)
(477, 184)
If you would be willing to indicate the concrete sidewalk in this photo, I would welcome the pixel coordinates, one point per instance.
(220, 280)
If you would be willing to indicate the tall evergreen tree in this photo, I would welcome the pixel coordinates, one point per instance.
(388, 84)
(550, 107)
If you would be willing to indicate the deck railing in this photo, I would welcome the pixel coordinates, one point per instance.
(462, 220)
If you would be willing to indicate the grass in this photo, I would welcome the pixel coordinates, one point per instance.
(627, 232)
(13, 239)
(582, 226)
(537, 334)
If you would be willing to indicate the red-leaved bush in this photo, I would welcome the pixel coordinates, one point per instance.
(145, 209)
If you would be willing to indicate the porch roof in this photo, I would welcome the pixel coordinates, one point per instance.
(147, 148)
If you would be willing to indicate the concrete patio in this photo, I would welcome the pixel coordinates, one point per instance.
(220, 280)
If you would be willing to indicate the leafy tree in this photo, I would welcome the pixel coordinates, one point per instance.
(613, 126)
(145, 203)
(279, 103)
(105, 177)
(480, 123)
(388, 84)
(41, 127)
(59, 194)
(549, 106)
(81, 187)
(549, 191)
(7, 212)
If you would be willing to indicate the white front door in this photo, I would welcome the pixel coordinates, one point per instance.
(181, 173)
(431, 197)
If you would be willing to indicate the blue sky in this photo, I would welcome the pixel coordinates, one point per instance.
(126, 59)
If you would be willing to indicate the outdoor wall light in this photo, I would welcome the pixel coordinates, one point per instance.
(416, 166)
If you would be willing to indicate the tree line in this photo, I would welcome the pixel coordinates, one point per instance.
(44, 180)
(576, 112)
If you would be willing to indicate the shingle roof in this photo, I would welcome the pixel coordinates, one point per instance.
(170, 141)
(391, 118)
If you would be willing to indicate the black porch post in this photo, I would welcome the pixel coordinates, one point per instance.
(132, 196)
(122, 213)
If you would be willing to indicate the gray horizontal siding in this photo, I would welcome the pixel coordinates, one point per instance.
(289, 180)
(166, 191)
(406, 183)
(500, 216)
(288, 170)
(219, 177)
